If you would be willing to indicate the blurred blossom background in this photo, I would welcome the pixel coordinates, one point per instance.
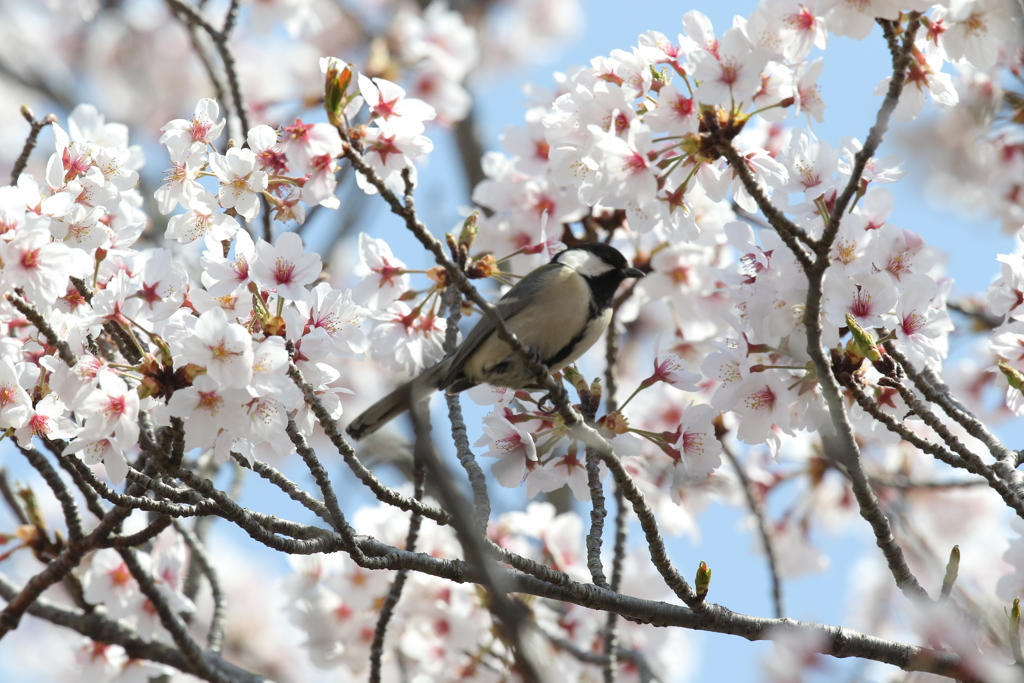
(137, 62)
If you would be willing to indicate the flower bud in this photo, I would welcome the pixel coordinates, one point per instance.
(1012, 375)
(337, 78)
(863, 341)
(469, 230)
(952, 570)
(703, 581)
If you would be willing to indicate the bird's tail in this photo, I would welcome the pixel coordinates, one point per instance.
(398, 401)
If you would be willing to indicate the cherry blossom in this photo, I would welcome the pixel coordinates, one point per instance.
(407, 339)
(389, 152)
(110, 409)
(212, 413)
(302, 143)
(762, 406)
(513, 445)
(732, 73)
(867, 298)
(697, 445)
(923, 76)
(975, 30)
(15, 403)
(382, 277)
(285, 268)
(34, 263)
(47, 421)
(387, 101)
(240, 181)
(196, 133)
(224, 348)
(223, 275)
(202, 218)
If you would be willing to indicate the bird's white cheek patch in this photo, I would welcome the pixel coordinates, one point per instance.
(584, 262)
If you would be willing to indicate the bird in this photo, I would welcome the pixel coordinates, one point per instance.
(559, 310)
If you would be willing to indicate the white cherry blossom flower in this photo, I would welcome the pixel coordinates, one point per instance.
(407, 340)
(855, 18)
(812, 165)
(285, 268)
(195, 133)
(1006, 294)
(262, 140)
(382, 277)
(387, 101)
(676, 114)
(922, 326)
(762, 405)
(223, 275)
(210, 409)
(201, 219)
(104, 449)
(698, 447)
(224, 348)
(111, 409)
(47, 421)
(32, 261)
(924, 76)
(335, 311)
(240, 181)
(731, 76)
(513, 445)
(15, 403)
(389, 152)
(976, 30)
(302, 142)
(867, 298)
(109, 582)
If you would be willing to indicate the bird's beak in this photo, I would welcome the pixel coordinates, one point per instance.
(633, 272)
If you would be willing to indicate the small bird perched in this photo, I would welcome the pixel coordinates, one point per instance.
(559, 309)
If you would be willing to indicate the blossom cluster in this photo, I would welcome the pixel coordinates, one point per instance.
(443, 631)
(627, 142)
(208, 348)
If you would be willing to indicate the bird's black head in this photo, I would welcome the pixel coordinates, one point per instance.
(602, 265)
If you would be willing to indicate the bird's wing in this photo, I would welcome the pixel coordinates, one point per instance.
(508, 306)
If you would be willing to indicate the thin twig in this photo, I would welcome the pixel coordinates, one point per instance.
(935, 390)
(597, 515)
(35, 127)
(611, 635)
(395, 592)
(288, 486)
(477, 480)
(758, 511)
(97, 626)
(649, 524)
(636, 658)
(60, 490)
(12, 501)
(198, 555)
(170, 620)
(52, 338)
(384, 493)
(152, 530)
(512, 617)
